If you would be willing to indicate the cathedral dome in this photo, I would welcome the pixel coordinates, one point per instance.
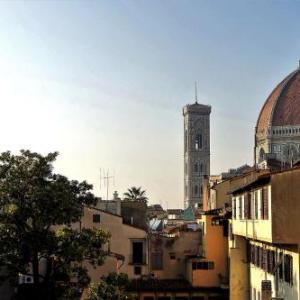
(282, 107)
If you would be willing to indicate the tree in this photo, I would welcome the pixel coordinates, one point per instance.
(136, 194)
(37, 209)
(110, 287)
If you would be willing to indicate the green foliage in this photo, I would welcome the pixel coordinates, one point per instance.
(35, 203)
(136, 194)
(110, 287)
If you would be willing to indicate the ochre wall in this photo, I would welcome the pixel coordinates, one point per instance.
(188, 242)
(215, 249)
(120, 242)
(239, 269)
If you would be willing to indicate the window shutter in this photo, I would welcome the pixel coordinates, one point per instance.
(256, 256)
(265, 259)
(265, 203)
(280, 262)
(260, 257)
(234, 208)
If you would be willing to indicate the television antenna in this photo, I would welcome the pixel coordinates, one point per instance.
(105, 179)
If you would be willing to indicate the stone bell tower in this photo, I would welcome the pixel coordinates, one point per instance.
(196, 151)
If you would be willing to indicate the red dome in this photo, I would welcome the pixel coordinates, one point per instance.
(282, 107)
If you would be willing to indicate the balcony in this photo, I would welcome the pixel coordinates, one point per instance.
(254, 229)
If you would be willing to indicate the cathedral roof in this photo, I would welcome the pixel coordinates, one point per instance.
(282, 107)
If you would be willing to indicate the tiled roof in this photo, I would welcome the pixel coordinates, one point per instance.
(282, 107)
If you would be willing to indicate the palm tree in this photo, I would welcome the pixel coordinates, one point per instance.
(136, 194)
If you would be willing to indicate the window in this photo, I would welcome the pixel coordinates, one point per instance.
(247, 206)
(271, 261)
(198, 141)
(255, 205)
(96, 218)
(265, 203)
(265, 259)
(203, 265)
(280, 268)
(172, 256)
(196, 190)
(260, 257)
(138, 252)
(256, 260)
(230, 233)
(240, 208)
(137, 270)
(234, 208)
(157, 260)
(288, 269)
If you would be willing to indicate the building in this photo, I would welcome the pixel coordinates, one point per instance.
(264, 244)
(128, 246)
(196, 151)
(277, 131)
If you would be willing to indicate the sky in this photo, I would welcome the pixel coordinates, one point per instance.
(104, 83)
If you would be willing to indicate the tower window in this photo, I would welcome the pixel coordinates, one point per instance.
(196, 190)
(195, 167)
(201, 168)
(198, 141)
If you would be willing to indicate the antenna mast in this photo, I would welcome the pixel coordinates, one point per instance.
(105, 179)
(196, 92)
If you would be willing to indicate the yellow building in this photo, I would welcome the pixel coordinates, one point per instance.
(264, 244)
(128, 245)
(211, 269)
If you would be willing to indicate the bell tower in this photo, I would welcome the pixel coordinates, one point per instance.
(196, 151)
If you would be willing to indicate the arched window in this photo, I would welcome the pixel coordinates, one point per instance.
(198, 141)
(196, 190)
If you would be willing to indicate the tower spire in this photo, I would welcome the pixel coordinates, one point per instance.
(196, 93)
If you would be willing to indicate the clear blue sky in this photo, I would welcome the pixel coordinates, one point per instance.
(104, 82)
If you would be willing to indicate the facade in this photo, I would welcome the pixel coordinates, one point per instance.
(128, 246)
(264, 244)
(277, 132)
(187, 261)
(196, 151)
(210, 269)
(170, 249)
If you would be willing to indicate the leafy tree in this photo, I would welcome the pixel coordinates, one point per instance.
(136, 194)
(110, 287)
(37, 207)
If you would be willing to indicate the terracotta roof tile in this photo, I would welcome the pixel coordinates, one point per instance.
(282, 107)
